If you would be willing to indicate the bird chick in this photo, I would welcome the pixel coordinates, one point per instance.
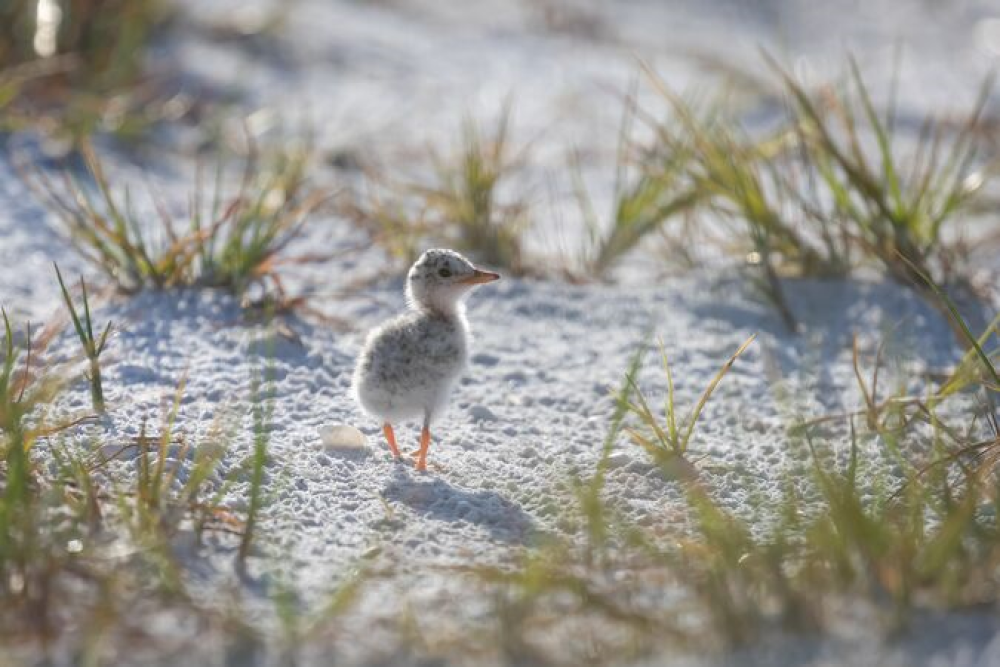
(408, 365)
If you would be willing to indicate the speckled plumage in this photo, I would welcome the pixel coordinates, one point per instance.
(408, 365)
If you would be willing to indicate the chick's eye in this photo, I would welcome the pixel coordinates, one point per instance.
(445, 273)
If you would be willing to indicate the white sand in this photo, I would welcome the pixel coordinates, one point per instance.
(533, 408)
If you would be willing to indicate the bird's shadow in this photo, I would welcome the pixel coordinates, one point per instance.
(437, 499)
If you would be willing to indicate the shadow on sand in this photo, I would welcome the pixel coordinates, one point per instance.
(437, 499)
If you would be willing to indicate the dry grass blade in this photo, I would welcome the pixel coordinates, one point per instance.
(693, 418)
(965, 374)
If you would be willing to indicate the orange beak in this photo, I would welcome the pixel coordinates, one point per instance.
(480, 277)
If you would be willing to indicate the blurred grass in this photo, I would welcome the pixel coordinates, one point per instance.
(234, 242)
(262, 392)
(831, 190)
(106, 38)
(465, 205)
(895, 210)
(71, 67)
(644, 198)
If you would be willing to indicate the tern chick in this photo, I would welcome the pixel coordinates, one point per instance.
(408, 365)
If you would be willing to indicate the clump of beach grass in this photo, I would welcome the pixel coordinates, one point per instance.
(233, 242)
(895, 207)
(828, 191)
(464, 206)
(263, 409)
(468, 197)
(643, 198)
(667, 440)
(741, 181)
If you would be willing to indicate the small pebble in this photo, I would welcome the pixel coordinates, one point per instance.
(618, 459)
(342, 436)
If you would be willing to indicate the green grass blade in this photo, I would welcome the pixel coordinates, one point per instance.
(957, 319)
(882, 138)
(77, 324)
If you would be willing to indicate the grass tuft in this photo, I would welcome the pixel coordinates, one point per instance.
(827, 192)
(95, 536)
(644, 197)
(464, 207)
(667, 442)
(893, 208)
(232, 243)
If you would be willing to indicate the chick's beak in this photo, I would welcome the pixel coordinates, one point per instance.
(480, 277)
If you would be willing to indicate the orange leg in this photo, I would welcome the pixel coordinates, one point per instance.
(425, 442)
(391, 439)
